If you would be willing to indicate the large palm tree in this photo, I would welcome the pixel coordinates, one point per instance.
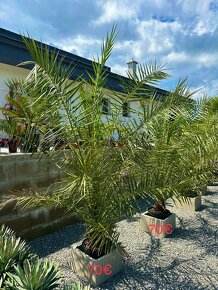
(97, 184)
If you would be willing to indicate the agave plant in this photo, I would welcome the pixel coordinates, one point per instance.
(20, 268)
(37, 274)
(13, 251)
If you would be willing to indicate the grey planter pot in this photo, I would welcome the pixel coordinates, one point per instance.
(204, 190)
(193, 203)
(85, 266)
(161, 227)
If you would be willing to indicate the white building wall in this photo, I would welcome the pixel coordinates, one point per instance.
(8, 72)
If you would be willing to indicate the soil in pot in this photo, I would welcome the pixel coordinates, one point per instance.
(84, 247)
(159, 212)
(191, 194)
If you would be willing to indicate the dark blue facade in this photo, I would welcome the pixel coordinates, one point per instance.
(13, 51)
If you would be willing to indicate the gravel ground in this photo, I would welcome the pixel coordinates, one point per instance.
(186, 259)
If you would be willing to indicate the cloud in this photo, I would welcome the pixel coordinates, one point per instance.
(204, 27)
(177, 57)
(12, 14)
(120, 69)
(157, 36)
(182, 33)
(202, 59)
(85, 46)
(208, 89)
(114, 10)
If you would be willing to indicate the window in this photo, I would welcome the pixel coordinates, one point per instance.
(125, 109)
(105, 106)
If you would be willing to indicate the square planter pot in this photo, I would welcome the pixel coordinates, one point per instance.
(158, 227)
(95, 271)
(204, 190)
(193, 203)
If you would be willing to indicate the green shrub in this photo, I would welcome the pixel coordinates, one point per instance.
(35, 275)
(13, 251)
(20, 268)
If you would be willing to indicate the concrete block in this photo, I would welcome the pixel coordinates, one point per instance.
(19, 223)
(8, 208)
(82, 263)
(161, 228)
(39, 216)
(192, 204)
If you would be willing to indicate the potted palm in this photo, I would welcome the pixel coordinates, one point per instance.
(96, 185)
(12, 144)
(161, 184)
(159, 158)
(199, 141)
(9, 126)
(28, 113)
(157, 154)
(193, 201)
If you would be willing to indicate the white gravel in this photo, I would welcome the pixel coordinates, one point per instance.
(186, 259)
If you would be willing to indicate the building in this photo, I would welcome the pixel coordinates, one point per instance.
(13, 51)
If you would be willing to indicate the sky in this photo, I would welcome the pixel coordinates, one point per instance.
(181, 34)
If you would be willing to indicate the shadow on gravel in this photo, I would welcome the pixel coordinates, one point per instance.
(211, 204)
(175, 275)
(202, 207)
(132, 275)
(151, 272)
(204, 236)
(58, 240)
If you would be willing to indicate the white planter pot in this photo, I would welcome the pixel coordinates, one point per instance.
(192, 204)
(95, 271)
(161, 228)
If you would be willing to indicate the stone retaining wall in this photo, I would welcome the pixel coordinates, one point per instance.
(23, 170)
(26, 170)
(34, 223)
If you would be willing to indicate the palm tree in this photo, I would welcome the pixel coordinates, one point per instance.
(157, 151)
(96, 184)
(201, 136)
(101, 182)
(176, 152)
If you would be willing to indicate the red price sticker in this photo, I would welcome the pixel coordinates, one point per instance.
(158, 228)
(99, 269)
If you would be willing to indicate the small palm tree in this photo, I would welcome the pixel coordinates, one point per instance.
(157, 154)
(200, 146)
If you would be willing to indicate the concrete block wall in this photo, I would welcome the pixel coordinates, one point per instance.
(30, 224)
(23, 170)
(26, 170)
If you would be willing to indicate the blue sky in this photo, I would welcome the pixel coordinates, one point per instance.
(183, 34)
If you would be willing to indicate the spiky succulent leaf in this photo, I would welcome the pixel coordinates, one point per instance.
(13, 251)
(42, 275)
